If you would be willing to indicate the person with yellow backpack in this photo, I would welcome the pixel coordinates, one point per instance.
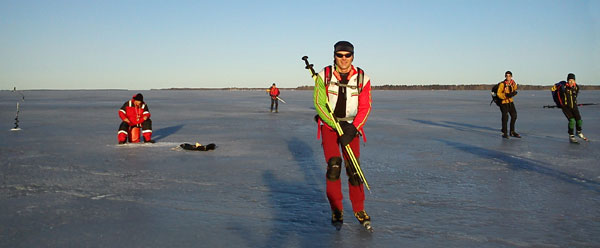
(507, 89)
(565, 97)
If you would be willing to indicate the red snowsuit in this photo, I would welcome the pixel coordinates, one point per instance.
(358, 107)
(135, 115)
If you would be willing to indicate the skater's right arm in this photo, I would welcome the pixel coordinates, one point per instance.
(321, 100)
(123, 113)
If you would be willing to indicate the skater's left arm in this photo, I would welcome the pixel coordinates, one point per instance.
(364, 105)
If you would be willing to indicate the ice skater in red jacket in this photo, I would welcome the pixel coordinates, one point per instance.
(274, 93)
(349, 96)
(135, 113)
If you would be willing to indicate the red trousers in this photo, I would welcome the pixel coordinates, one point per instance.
(331, 148)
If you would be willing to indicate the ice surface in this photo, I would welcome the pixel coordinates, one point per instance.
(440, 174)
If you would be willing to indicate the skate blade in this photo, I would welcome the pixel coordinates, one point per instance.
(367, 226)
(337, 225)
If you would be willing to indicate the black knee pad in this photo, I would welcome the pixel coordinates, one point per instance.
(353, 177)
(334, 168)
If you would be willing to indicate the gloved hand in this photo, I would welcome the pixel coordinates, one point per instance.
(128, 121)
(512, 94)
(349, 133)
(136, 122)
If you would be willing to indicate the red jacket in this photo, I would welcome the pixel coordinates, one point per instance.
(134, 114)
(274, 92)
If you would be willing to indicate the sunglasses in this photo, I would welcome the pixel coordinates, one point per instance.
(347, 55)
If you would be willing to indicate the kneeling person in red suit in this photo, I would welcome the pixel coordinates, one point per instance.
(135, 113)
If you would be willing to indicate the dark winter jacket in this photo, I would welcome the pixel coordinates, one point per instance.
(569, 94)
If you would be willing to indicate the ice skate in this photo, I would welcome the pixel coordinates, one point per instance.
(364, 219)
(337, 219)
(572, 139)
(580, 135)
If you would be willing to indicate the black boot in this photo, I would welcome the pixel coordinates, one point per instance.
(337, 218)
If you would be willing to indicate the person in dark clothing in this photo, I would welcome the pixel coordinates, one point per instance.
(569, 92)
(507, 89)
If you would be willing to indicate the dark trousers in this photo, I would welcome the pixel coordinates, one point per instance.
(506, 109)
(572, 113)
(276, 102)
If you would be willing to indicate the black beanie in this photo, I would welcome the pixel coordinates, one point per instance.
(138, 97)
(570, 76)
(508, 72)
(343, 46)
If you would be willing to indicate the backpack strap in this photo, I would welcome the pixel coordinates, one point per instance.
(328, 74)
(361, 79)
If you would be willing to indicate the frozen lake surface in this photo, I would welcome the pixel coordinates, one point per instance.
(439, 171)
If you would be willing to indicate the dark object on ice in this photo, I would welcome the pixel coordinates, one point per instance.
(16, 128)
(208, 147)
(150, 141)
(16, 120)
(579, 104)
(337, 219)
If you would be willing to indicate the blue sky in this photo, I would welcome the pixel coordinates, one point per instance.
(164, 44)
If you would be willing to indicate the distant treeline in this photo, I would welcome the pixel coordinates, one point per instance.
(409, 87)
